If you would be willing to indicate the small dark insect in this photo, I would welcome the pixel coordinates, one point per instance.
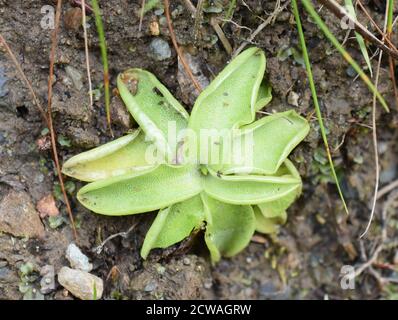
(157, 91)
(219, 174)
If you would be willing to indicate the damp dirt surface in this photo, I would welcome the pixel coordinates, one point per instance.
(303, 261)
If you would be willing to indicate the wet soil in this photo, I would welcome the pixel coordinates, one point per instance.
(303, 261)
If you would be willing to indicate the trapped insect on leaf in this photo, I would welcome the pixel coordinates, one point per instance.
(221, 171)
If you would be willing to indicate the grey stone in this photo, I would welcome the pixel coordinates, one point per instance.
(150, 286)
(159, 49)
(293, 98)
(81, 284)
(77, 259)
(47, 282)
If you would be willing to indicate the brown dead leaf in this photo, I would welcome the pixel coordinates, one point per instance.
(47, 207)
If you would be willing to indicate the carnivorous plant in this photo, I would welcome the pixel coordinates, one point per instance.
(218, 169)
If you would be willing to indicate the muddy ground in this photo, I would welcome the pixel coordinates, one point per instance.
(302, 262)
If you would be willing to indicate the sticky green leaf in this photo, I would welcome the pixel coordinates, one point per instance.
(144, 191)
(268, 225)
(264, 96)
(152, 106)
(118, 157)
(230, 100)
(173, 224)
(249, 189)
(274, 208)
(229, 227)
(266, 143)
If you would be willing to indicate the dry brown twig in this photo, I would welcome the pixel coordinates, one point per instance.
(390, 59)
(220, 33)
(278, 9)
(47, 117)
(393, 80)
(390, 200)
(374, 133)
(395, 22)
(175, 44)
(341, 13)
(375, 149)
(237, 25)
(388, 188)
(379, 248)
(366, 12)
(54, 41)
(98, 249)
(90, 88)
(213, 22)
(391, 64)
(141, 15)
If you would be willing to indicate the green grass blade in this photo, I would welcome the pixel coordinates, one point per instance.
(230, 11)
(310, 9)
(361, 42)
(151, 4)
(315, 98)
(104, 58)
(390, 16)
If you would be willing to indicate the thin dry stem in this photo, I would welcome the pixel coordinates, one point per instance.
(340, 12)
(141, 15)
(50, 122)
(190, 6)
(393, 80)
(47, 117)
(375, 24)
(374, 136)
(197, 13)
(175, 44)
(90, 88)
(278, 9)
(123, 234)
(379, 248)
(388, 188)
(221, 35)
(375, 149)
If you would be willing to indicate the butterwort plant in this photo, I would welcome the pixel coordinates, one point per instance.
(227, 197)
